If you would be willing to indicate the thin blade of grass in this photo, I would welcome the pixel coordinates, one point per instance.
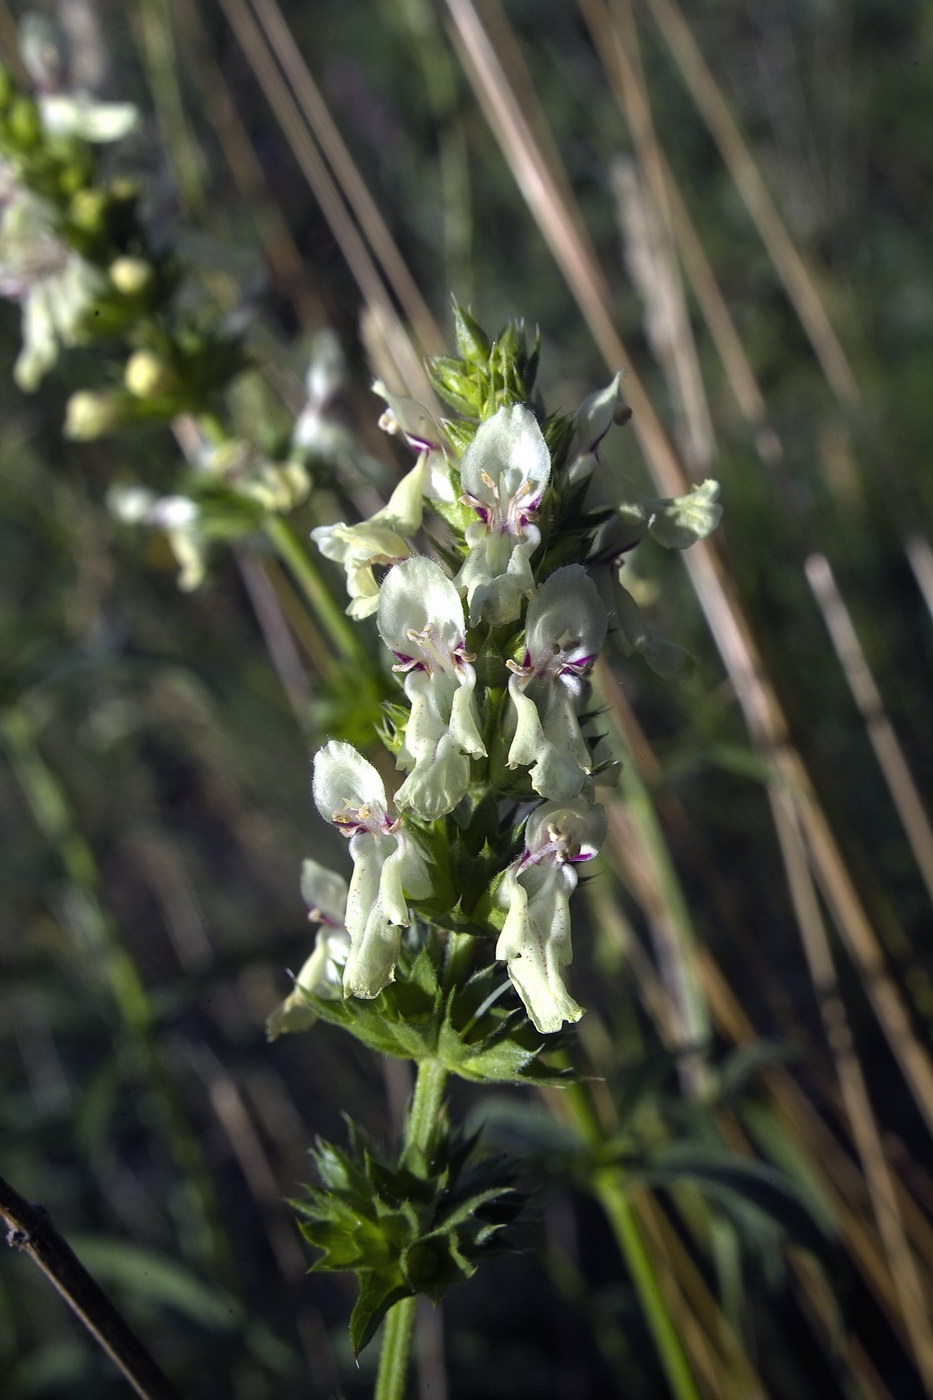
(353, 187)
(799, 281)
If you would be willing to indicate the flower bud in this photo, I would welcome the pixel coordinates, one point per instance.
(88, 209)
(472, 341)
(23, 123)
(42, 50)
(147, 376)
(132, 277)
(91, 415)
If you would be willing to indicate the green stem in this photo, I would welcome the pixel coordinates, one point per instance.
(308, 578)
(611, 1191)
(424, 1118)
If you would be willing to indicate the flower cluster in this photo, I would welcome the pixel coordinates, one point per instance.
(493, 638)
(76, 257)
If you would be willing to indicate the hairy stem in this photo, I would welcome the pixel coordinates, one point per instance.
(610, 1189)
(30, 1230)
(421, 1126)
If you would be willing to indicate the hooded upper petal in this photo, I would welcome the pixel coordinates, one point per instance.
(504, 473)
(348, 791)
(506, 467)
(421, 614)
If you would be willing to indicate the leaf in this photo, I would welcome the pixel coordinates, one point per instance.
(639, 1083)
(745, 1063)
(377, 1295)
(751, 1183)
(415, 1224)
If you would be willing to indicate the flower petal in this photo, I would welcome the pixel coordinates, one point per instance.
(634, 637)
(596, 415)
(321, 976)
(566, 614)
(683, 520)
(417, 596)
(535, 943)
(508, 449)
(324, 892)
(346, 781)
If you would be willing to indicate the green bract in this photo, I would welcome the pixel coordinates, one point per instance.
(417, 1224)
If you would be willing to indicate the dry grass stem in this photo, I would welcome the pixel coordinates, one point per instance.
(354, 189)
(867, 696)
(798, 279)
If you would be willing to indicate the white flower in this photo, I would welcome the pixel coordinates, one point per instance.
(76, 113)
(421, 622)
(380, 540)
(80, 114)
(177, 516)
(564, 631)
(409, 419)
(359, 548)
(676, 522)
(325, 894)
(504, 473)
(53, 285)
(319, 430)
(595, 417)
(387, 865)
(536, 890)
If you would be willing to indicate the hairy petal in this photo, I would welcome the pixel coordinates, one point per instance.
(375, 940)
(347, 788)
(509, 450)
(321, 976)
(417, 596)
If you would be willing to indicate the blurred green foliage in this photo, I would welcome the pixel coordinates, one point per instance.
(155, 801)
